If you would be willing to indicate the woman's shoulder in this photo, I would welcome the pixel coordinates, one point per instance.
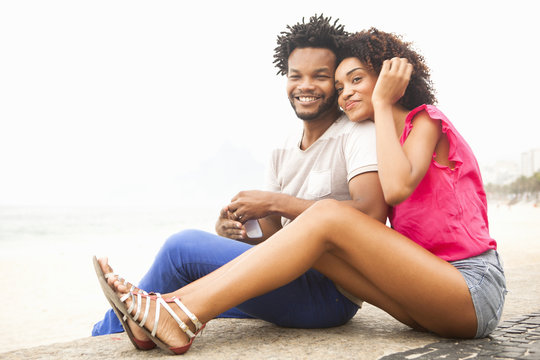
(431, 110)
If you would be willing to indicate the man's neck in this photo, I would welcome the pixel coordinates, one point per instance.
(314, 129)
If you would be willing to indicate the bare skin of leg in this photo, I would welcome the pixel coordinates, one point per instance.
(335, 269)
(391, 272)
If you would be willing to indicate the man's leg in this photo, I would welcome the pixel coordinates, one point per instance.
(183, 258)
(310, 301)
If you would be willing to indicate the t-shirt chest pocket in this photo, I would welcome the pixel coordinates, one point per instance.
(319, 183)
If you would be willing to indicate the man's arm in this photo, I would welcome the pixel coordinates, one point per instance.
(367, 195)
(269, 226)
(256, 204)
(365, 190)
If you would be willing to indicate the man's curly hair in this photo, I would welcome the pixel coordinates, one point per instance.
(372, 47)
(319, 32)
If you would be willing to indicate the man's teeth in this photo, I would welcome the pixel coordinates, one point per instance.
(306, 98)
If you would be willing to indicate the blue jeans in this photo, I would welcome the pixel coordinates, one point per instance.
(310, 301)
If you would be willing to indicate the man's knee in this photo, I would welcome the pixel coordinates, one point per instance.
(183, 240)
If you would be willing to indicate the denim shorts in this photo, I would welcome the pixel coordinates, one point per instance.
(484, 275)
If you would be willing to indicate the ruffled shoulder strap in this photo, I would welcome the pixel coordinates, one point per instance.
(447, 128)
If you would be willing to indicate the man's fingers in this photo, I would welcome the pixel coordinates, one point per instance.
(236, 233)
(235, 197)
(239, 217)
(224, 213)
(237, 237)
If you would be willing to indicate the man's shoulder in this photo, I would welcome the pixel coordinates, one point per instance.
(290, 139)
(348, 127)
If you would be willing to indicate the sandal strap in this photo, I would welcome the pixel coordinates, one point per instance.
(191, 316)
(146, 310)
(128, 294)
(111, 274)
(133, 302)
(179, 321)
(156, 316)
(139, 303)
(136, 301)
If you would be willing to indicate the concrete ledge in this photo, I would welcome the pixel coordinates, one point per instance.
(371, 334)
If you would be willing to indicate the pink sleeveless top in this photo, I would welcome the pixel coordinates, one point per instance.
(447, 212)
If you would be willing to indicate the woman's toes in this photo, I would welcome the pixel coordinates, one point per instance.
(104, 264)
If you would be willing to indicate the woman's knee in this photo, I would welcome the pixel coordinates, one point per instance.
(327, 212)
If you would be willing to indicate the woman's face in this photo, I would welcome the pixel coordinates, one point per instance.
(354, 86)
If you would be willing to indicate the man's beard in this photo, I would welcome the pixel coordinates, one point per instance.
(324, 107)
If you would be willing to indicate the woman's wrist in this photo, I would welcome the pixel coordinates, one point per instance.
(381, 104)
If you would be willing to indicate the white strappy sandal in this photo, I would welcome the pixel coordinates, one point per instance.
(159, 301)
(123, 313)
(139, 344)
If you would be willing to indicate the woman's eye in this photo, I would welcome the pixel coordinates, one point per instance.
(339, 90)
(356, 79)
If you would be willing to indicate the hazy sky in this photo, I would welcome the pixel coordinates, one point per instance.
(117, 102)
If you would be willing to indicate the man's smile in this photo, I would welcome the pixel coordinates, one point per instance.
(306, 99)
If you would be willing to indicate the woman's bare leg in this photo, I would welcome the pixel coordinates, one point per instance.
(408, 279)
(354, 282)
(431, 292)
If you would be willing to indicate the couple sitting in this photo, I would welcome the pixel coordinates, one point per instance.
(436, 269)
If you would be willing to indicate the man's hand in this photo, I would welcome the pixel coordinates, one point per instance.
(228, 227)
(252, 204)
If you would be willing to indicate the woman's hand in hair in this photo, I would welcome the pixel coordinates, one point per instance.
(392, 81)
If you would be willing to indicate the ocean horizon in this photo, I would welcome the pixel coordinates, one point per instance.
(98, 223)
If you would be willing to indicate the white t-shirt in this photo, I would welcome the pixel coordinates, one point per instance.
(323, 170)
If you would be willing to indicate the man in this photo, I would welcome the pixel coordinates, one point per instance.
(302, 171)
(332, 158)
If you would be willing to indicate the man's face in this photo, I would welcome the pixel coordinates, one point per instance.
(310, 82)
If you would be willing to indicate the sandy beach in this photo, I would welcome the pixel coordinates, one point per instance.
(54, 295)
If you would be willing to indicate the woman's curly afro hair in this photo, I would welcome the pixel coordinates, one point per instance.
(372, 47)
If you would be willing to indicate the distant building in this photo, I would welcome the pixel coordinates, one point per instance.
(501, 173)
(530, 162)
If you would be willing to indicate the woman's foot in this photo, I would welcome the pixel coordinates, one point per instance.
(113, 279)
(168, 330)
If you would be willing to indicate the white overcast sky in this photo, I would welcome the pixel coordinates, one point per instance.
(118, 102)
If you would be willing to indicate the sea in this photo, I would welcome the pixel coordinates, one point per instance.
(46, 263)
(53, 224)
(112, 231)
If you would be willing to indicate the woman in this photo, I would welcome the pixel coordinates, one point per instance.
(438, 270)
